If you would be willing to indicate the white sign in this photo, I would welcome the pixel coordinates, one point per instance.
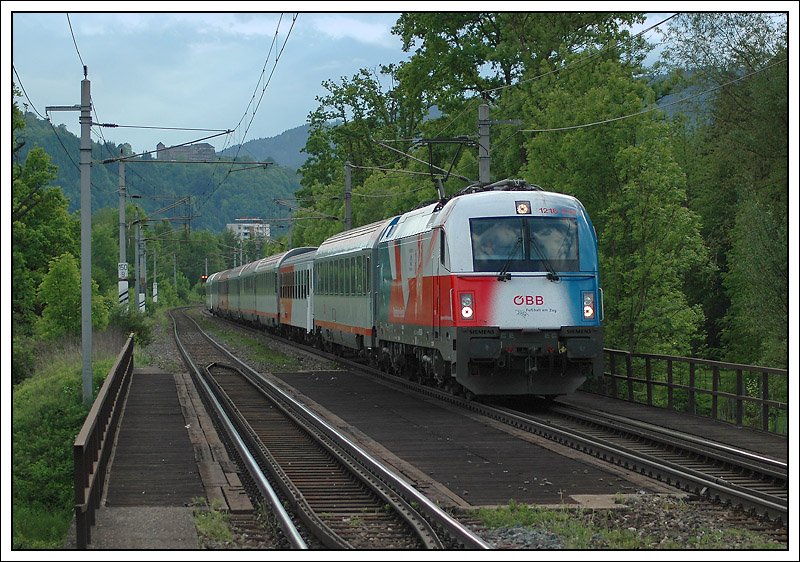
(122, 270)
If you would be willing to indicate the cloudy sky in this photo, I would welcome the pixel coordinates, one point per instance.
(255, 73)
(258, 73)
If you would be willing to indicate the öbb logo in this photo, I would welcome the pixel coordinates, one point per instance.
(529, 300)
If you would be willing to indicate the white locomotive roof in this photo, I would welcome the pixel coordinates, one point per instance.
(482, 204)
(360, 238)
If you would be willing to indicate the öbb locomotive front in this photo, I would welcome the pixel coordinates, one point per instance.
(493, 292)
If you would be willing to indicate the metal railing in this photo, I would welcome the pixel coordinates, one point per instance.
(745, 395)
(92, 448)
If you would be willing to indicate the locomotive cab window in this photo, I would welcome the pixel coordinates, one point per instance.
(524, 244)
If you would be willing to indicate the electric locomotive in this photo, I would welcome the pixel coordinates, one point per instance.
(493, 292)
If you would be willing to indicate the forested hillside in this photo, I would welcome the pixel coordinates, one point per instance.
(219, 194)
(285, 149)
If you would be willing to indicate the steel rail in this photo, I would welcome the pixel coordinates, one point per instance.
(284, 520)
(466, 538)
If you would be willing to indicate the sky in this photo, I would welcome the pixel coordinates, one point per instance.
(256, 73)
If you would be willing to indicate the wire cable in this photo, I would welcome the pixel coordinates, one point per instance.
(655, 107)
(83, 65)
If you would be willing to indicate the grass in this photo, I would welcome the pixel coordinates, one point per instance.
(580, 529)
(211, 522)
(47, 413)
(255, 348)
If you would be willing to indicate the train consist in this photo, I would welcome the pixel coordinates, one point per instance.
(494, 291)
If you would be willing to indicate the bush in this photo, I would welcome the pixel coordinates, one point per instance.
(22, 359)
(129, 320)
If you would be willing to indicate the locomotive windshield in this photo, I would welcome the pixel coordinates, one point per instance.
(524, 244)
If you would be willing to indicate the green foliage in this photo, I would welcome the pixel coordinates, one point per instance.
(47, 413)
(461, 53)
(60, 294)
(36, 528)
(105, 249)
(128, 320)
(737, 163)
(22, 358)
(218, 194)
(41, 229)
(211, 522)
(648, 245)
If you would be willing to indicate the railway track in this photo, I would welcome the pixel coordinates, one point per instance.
(734, 477)
(338, 496)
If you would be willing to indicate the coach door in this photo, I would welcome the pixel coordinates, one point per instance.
(438, 271)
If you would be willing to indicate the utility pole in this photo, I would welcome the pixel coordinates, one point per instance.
(155, 283)
(144, 273)
(483, 144)
(86, 234)
(140, 283)
(122, 269)
(348, 221)
(86, 230)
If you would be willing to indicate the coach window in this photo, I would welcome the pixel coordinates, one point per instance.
(351, 276)
(328, 279)
(347, 275)
(360, 275)
(367, 277)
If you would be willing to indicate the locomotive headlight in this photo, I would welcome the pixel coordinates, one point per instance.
(467, 311)
(588, 305)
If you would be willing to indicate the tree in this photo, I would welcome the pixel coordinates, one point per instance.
(459, 55)
(625, 174)
(41, 226)
(60, 295)
(737, 159)
(105, 249)
(649, 244)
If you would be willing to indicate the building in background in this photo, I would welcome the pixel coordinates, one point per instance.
(249, 228)
(187, 153)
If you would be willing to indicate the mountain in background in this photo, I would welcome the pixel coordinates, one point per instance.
(217, 196)
(284, 149)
